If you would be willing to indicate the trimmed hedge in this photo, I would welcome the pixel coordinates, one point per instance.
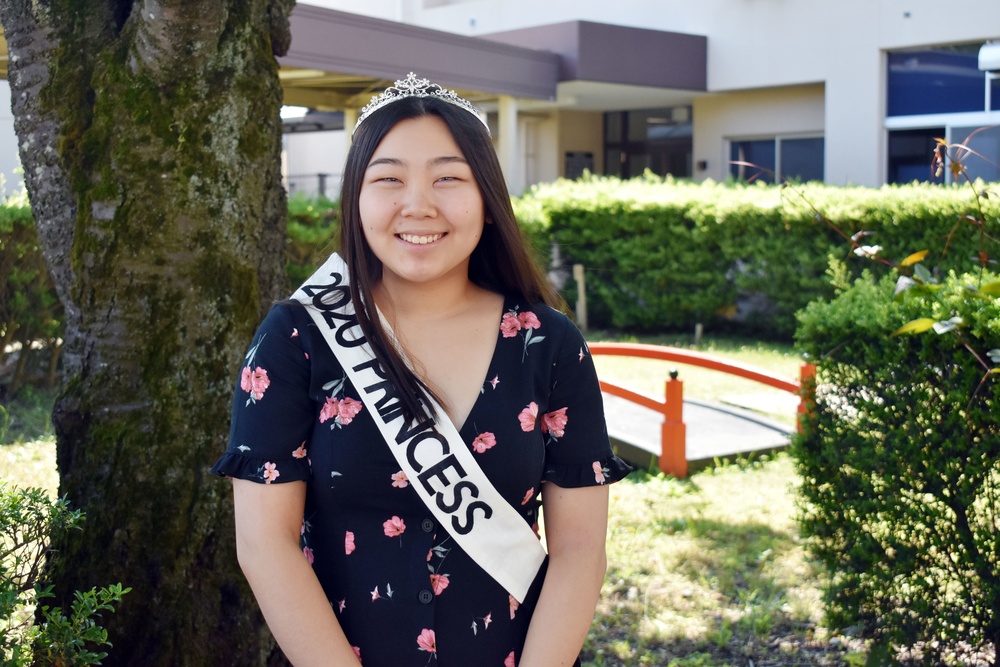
(900, 461)
(660, 254)
(663, 254)
(30, 310)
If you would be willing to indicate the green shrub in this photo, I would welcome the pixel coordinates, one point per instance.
(30, 311)
(900, 459)
(662, 254)
(313, 233)
(34, 633)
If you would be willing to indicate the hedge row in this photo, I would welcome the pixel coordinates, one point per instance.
(899, 462)
(663, 254)
(30, 312)
(659, 254)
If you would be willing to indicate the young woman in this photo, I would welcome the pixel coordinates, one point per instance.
(381, 519)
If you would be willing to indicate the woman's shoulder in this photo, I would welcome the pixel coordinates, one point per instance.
(521, 314)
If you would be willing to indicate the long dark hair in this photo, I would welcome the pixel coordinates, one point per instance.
(501, 261)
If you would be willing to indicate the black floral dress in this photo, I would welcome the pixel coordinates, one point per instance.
(403, 591)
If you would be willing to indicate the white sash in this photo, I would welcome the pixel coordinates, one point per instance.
(439, 466)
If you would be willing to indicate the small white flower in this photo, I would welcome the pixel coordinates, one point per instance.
(868, 250)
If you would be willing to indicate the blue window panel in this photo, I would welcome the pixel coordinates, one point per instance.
(935, 81)
(752, 160)
(802, 159)
(911, 155)
(984, 159)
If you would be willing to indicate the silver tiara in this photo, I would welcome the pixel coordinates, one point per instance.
(411, 86)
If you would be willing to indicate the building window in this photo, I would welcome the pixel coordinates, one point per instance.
(911, 155)
(938, 80)
(981, 159)
(777, 159)
(940, 94)
(656, 139)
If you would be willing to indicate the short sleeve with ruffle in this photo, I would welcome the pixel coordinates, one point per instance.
(272, 412)
(578, 452)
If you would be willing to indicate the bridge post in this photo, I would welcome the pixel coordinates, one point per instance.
(673, 435)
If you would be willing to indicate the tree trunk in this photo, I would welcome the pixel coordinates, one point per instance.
(150, 137)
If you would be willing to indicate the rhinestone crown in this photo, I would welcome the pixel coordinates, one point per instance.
(411, 86)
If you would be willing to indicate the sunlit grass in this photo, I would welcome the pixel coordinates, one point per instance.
(708, 571)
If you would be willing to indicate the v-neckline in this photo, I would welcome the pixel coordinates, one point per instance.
(490, 368)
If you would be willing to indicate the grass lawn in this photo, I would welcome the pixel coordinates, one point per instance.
(711, 571)
(707, 571)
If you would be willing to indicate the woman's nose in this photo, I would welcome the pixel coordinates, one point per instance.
(418, 202)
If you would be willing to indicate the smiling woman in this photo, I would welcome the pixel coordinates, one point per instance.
(421, 392)
(421, 210)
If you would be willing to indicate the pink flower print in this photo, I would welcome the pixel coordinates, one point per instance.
(528, 416)
(394, 527)
(375, 595)
(308, 553)
(581, 354)
(488, 620)
(598, 472)
(270, 472)
(509, 662)
(555, 423)
(330, 410)
(349, 543)
(255, 382)
(509, 325)
(439, 582)
(430, 552)
(399, 480)
(495, 381)
(528, 320)
(514, 604)
(426, 641)
(357, 652)
(483, 442)
(348, 409)
(295, 333)
(528, 496)
(300, 453)
(342, 604)
(246, 379)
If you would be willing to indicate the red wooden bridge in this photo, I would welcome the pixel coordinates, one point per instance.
(673, 454)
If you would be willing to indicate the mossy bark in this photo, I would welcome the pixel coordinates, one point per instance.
(150, 137)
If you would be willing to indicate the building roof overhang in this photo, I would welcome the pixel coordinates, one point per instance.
(338, 60)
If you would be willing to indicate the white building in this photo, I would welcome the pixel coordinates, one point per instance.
(847, 91)
(850, 92)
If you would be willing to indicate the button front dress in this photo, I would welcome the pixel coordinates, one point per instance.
(404, 592)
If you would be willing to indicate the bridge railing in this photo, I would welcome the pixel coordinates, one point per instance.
(673, 433)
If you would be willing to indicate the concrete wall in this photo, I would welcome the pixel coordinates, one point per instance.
(10, 162)
(306, 154)
(583, 132)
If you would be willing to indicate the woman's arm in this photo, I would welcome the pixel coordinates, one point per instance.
(576, 523)
(268, 523)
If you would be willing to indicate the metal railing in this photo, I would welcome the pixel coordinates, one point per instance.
(673, 433)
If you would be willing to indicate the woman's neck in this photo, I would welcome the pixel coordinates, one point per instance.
(401, 301)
